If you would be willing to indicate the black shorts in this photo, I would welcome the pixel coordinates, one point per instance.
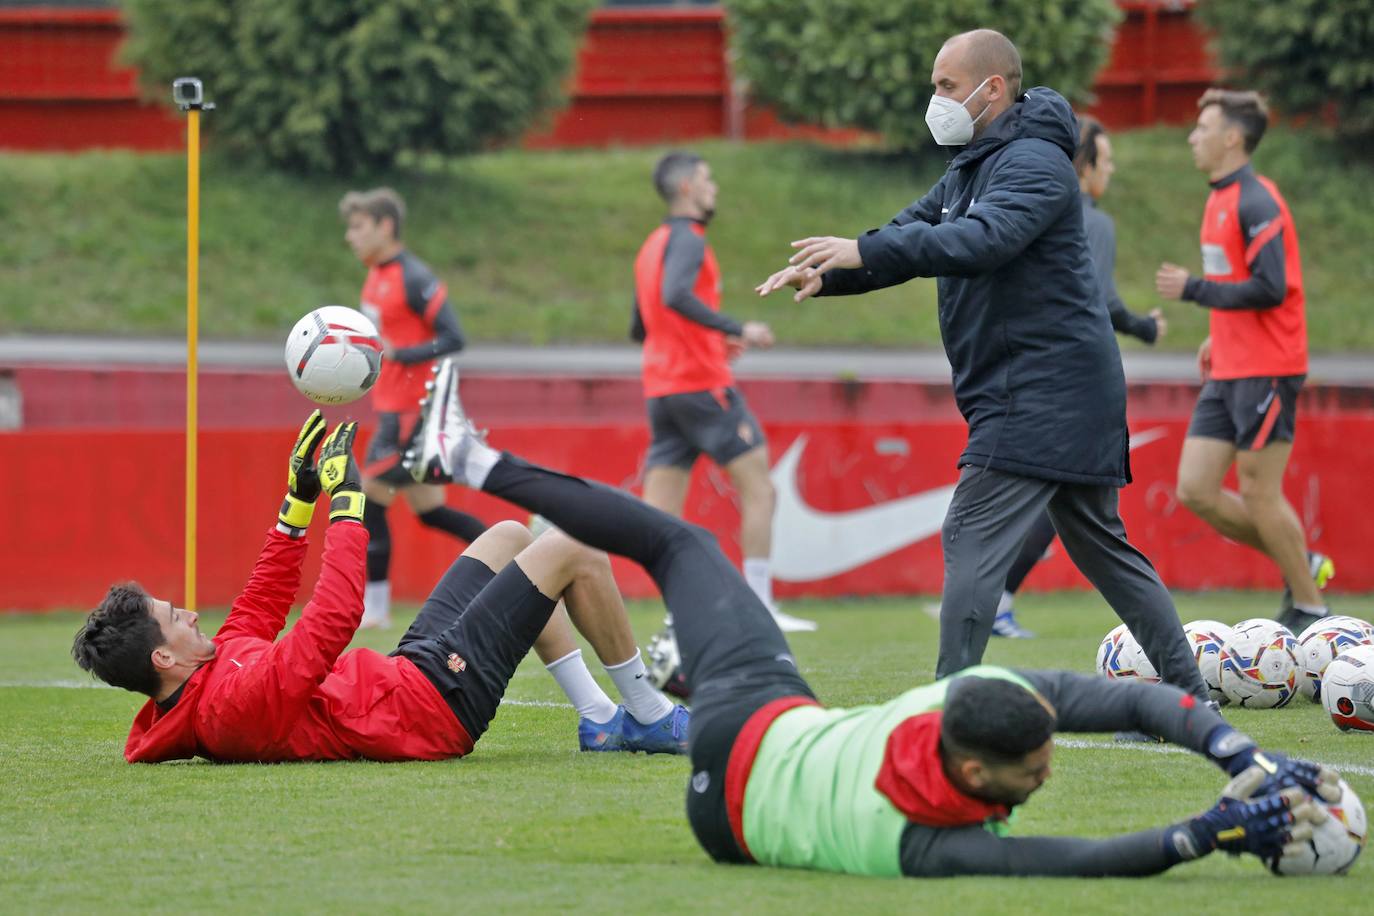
(1248, 412)
(471, 635)
(387, 447)
(720, 709)
(716, 422)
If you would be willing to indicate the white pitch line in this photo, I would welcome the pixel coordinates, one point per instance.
(1075, 743)
(60, 684)
(1174, 749)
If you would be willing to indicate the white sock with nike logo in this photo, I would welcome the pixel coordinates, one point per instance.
(642, 701)
(583, 691)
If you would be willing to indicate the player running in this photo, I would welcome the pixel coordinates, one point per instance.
(418, 324)
(692, 401)
(923, 785)
(247, 696)
(1254, 360)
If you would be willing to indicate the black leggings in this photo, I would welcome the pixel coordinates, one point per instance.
(722, 627)
(734, 657)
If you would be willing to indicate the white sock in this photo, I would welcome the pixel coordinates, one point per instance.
(583, 691)
(377, 600)
(1316, 610)
(481, 458)
(641, 699)
(1004, 604)
(758, 572)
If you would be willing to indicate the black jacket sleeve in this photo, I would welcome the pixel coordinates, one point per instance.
(1087, 703)
(928, 209)
(421, 288)
(1025, 193)
(1258, 214)
(1102, 246)
(930, 852)
(682, 259)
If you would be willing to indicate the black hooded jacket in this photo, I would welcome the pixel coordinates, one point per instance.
(1037, 372)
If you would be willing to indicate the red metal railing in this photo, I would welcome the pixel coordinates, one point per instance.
(642, 76)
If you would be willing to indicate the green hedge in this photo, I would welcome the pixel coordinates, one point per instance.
(1309, 56)
(341, 86)
(866, 63)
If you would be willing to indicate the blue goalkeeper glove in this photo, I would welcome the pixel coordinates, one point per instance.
(1262, 827)
(1236, 753)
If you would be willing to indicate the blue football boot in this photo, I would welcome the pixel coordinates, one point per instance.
(666, 736)
(603, 736)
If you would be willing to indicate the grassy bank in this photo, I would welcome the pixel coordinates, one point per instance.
(538, 246)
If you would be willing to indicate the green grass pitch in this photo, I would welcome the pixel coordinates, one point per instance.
(529, 824)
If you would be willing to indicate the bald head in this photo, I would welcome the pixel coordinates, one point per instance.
(986, 52)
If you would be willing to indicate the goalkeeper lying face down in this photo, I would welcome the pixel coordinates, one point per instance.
(922, 785)
(247, 696)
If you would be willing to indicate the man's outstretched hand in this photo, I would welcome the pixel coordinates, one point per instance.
(302, 480)
(806, 282)
(815, 256)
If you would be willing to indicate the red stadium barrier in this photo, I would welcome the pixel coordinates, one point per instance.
(862, 470)
(642, 76)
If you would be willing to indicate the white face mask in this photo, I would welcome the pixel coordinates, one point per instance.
(949, 121)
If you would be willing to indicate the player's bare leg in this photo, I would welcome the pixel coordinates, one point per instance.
(1261, 487)
(1202, 465)
(665, 487)
(757, 499)
(594, 604)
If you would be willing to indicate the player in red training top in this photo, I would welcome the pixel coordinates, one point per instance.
(1254, 361)
(411, 310)
(693, 404)
(247, 696)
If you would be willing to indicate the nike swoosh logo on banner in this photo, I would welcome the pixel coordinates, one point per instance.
(811, 544)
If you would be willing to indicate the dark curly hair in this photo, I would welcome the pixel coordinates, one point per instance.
(993, 720)
(117, 641)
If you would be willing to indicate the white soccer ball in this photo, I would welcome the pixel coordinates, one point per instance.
(1335, 844)
(1323, 641)
(1259, 664)
(334, 355)
(1348, 689)
(1205, 638)
(1120, 657)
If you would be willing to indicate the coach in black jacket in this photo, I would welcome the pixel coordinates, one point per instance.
(1037, 372)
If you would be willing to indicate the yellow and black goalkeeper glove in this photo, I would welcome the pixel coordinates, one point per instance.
(302, 481)
(339, 474)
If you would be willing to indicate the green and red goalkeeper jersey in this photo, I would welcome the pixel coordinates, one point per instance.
(833, 789)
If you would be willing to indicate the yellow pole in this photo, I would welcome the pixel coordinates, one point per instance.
(192, 341)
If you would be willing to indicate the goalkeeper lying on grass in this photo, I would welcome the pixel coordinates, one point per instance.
(923, 785)
(247, 696)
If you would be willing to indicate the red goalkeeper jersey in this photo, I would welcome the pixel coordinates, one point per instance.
(265, 699)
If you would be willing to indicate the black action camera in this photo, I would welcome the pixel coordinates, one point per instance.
(187, 92)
